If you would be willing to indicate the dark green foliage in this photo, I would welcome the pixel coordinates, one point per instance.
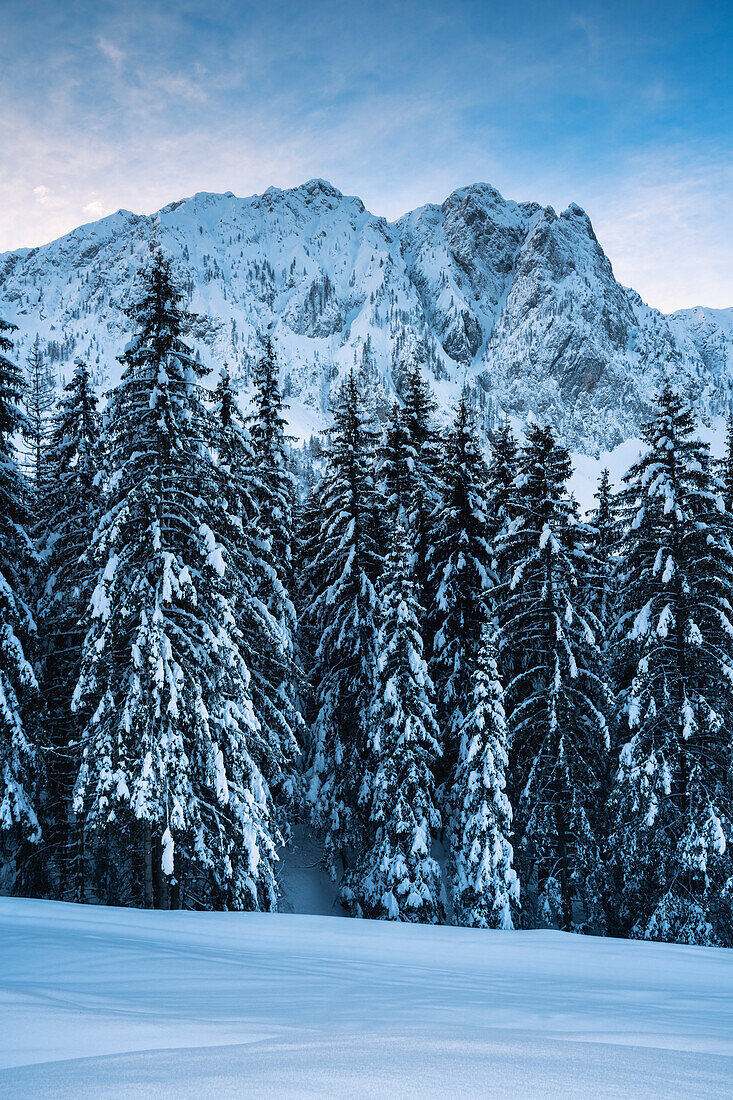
(672, 829)
(342, 619)
(69, 507)
(396, 877)
(461, 578)
(21, 770)
(555, 694)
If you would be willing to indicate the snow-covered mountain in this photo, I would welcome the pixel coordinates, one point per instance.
(711, 331)
(518, 302)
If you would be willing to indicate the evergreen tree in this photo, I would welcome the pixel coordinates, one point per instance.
(461, 576)
(605, 534)
(503, 509)
(19, 763)
(394, 469)
(276, 498)
(727, 466)
(263, 607)
(556, 697)
(672, 839)
(397, 877)
(485, 887)
(423, 469)
(306, 549)
(69, 510)
(503, 469)
(601, 594)
(342, 618)
(40, 394)
(277, 484)
(169, 780)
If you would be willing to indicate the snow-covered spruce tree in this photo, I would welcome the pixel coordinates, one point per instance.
(394, 469)
(263, 607)
(461, 578)
(396, 877)
(423, 462)
(601, 581)
(342, 621)
(727, 466)
(503, 468)
(168, 780)
(276, 485)
(605, 535)
(39, 394)
(68, 514)
(672, 839)
(20, 768)
(306, 546)
(556, 698)
(484, 884)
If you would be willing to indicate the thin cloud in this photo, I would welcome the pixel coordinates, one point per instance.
(93, 209)
(395, 103)
(666, 227)
(110, 51)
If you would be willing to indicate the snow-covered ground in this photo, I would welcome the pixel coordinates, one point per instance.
(124, 1003)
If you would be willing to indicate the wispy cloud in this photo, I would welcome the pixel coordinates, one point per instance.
(110, 51)
(94, 209)
(666, 225)
(42, 193)
(618, 110)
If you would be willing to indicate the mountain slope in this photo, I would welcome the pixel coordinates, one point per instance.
(516, 301)
(711, 332)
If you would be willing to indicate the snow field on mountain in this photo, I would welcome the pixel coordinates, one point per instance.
(129, 1003)
(511, 298)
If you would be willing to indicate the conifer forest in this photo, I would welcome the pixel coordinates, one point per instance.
(492, 709)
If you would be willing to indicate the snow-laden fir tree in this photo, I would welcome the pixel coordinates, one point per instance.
(305, 548)
(264, 611)
(397, 877)
(601, 580)
(727, 466)
(484, 884)
(276, 489)
(503, 468)
(556, 698)
(394, 470)
(20, 766)
(605, 534)
(423, 470)
(39, 395)
(169, 783)
(672, 839)
(68, 513)
(461, 577)
(342, 621)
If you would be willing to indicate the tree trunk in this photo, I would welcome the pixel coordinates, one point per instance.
(562, 852)
(79, 883)
(175, 885)
(149, 900)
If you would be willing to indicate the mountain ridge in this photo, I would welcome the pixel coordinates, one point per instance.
(516, 301)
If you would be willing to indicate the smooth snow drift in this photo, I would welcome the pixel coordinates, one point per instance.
(124, 1003)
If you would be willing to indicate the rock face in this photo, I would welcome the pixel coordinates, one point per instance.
(509, 298)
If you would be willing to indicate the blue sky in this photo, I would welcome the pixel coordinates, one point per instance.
(625, 108)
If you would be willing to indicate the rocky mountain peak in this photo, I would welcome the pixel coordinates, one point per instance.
(517, 301)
